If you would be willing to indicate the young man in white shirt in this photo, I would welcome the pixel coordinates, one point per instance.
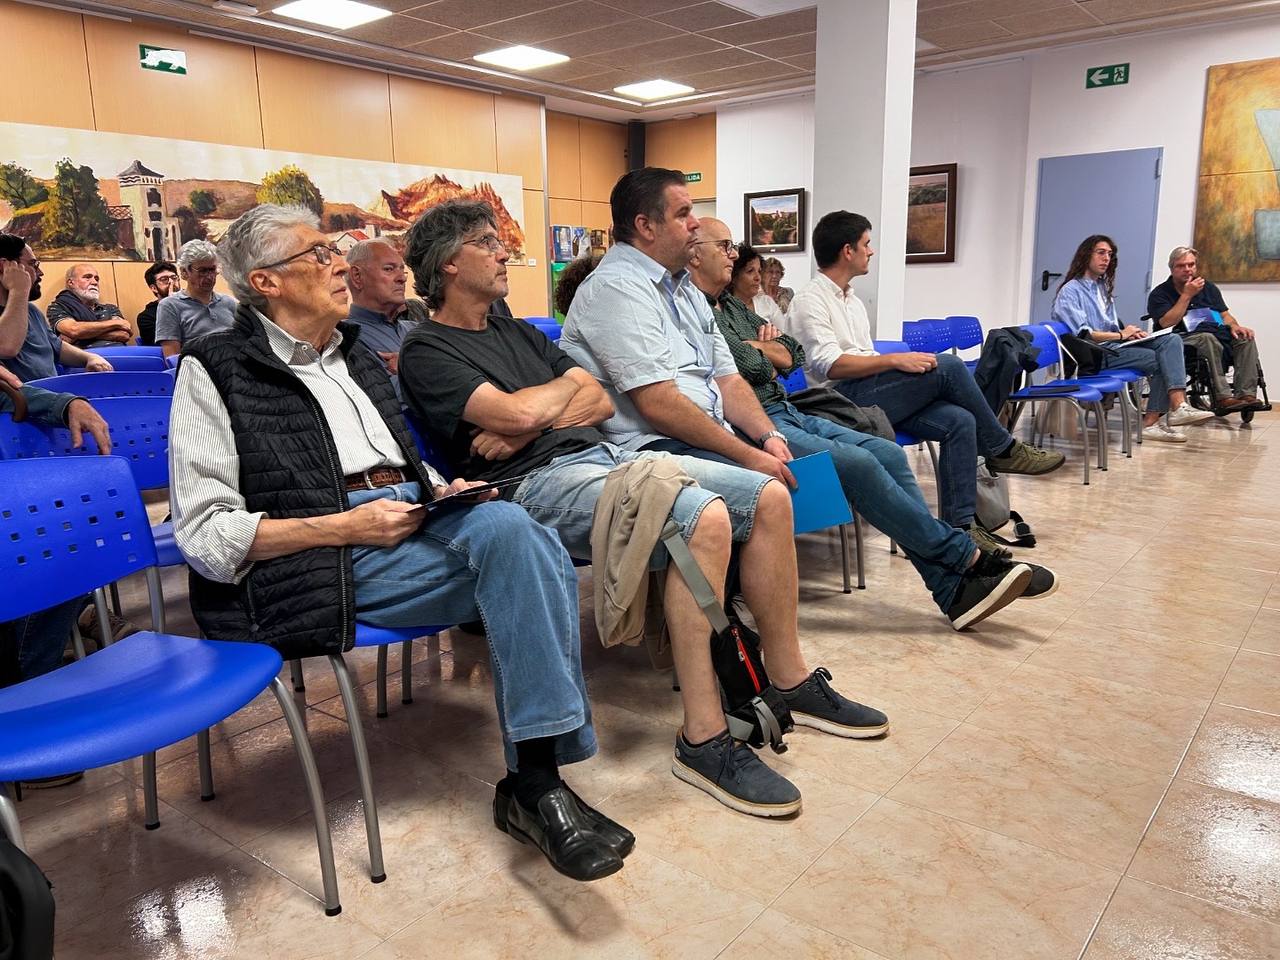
(932, 396)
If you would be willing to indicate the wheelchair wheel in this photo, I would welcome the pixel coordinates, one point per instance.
(1246, 416)
(1201, 401)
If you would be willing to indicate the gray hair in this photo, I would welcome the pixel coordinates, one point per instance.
(362, 250)
(1180, 252)
(196, 251)
(257, 237)
(436, 238)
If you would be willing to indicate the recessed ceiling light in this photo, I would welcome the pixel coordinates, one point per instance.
(338, 14)
(521, 58)
(653, 90)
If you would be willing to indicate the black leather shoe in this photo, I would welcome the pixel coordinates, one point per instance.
(613, 833)
(560, 830)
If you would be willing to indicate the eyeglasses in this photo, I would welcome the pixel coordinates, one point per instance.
(203, 271)
(323, 252)
(488, 242)
(726, 246)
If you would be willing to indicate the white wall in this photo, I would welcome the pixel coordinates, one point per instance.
(766, 146)
(997, 122)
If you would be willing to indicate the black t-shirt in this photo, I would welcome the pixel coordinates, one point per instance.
(440, 367)
(147, 324)
(1162, 298)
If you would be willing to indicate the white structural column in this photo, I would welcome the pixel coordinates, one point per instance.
(862, 135)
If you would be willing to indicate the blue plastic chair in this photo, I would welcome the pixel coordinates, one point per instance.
(1134, 379)
(127, 351)
(139, 429)
(137, 383)
(795, 382)
(966, 333)
(70, 530)
(124, 363)
(927, 336)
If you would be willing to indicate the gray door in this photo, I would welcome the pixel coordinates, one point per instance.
(1117, 194)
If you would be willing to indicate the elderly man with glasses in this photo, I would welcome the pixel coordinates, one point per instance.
(197, 308)
(301, 505)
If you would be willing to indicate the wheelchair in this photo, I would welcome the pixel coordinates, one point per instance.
(1200, 392)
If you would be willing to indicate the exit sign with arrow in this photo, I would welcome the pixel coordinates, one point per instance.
(1111, 76)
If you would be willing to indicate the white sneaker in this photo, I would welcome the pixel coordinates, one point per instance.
(1163, 434)
(1185, 414)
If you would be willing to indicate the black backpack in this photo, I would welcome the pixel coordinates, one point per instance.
(26, 906)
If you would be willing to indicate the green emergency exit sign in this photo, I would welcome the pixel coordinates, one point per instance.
(1112, 76)
(693, 178)
(164, 59)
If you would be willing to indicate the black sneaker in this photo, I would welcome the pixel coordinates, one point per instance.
(1044, 582)
(731, 772)
(989, 585)
(815, 704)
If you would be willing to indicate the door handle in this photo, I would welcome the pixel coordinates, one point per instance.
(1046, 277)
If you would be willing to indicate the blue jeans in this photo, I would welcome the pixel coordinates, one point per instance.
(563, 494)
(946, 405)
(37, 640)
(1160, 360)
(491, 562)
(879, 483)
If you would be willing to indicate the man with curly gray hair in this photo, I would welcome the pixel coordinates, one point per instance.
(197, 308)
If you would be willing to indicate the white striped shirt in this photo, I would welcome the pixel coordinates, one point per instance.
(211, 524)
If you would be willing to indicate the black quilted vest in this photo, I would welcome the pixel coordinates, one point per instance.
(302, 604)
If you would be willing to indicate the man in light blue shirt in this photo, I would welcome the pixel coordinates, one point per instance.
(1086, 303)
(640, 327)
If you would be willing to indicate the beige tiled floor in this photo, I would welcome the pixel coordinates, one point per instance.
(1095, 775)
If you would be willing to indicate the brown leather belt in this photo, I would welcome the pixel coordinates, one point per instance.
(374, 478)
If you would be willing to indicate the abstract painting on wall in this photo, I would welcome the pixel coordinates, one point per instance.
(1237, 227)
(85, 195)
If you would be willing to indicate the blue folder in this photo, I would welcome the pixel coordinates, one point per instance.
(818, 501)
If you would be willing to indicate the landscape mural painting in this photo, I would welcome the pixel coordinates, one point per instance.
(85, 195)
(775, 220)
(1237, 230)
(931, 214)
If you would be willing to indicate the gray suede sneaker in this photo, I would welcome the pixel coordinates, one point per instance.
(816, 704)
(1027, 460)
(731, 772)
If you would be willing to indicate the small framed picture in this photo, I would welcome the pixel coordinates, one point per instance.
(775, 220)
(931, 214)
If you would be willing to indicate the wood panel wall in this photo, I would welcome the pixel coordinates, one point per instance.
(249, 96)
(585, 158)
(688, 145)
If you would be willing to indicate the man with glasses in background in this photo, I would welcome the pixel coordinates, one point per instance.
(197, 308)
(162, 280)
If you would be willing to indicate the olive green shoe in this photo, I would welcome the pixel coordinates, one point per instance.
(982, 539)
(1027, 460)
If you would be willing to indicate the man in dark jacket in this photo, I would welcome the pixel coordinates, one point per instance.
(301, 505)
(162, 280)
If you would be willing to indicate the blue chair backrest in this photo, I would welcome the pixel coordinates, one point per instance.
(125, 363)
(139, 435)
(1042, 337)
(138, 383)
(67, 528)
(1059, 327)
(795, 382)
(127, 351)
(426, 449)
(927, 336)
(891, 346)
(966, 332)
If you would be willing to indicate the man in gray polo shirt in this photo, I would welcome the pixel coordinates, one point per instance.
(197, 308)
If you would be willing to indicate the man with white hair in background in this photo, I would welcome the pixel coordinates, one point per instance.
(78, 315)
(1188, 302)
(376, 280)
(197, 308)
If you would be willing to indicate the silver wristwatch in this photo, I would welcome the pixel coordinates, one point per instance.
(771, 435)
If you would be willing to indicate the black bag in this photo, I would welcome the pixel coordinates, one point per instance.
(1083, 358)
(753, 709)
(26, 906)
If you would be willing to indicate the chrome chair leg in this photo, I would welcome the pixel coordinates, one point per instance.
(1103, 453)
(206, 765)
(77, 642)
(859, 541)
(9, 819)
(844, 557)
(295, 673)
(1084, 438)
(382, 682)
(406, 672)
(150, 802)
(104, 618)
(307, 760)
(377, 873)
